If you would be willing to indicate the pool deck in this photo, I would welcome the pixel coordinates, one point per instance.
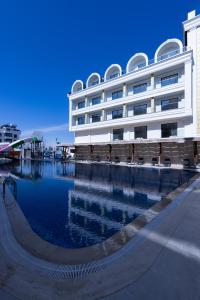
(161, 262)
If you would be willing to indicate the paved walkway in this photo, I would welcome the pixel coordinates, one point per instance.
(161, 262)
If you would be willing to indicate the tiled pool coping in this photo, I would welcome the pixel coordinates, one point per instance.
(59, 255)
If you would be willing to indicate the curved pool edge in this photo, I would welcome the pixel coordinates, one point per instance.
(44, 250)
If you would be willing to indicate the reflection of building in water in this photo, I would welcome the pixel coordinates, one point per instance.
(65, 170)
(29, 169)
(105, 198)
(147, 181)
(96, 211)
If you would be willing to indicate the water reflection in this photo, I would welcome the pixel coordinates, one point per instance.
(80, 205)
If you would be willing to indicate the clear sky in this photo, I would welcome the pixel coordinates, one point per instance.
(46, 45)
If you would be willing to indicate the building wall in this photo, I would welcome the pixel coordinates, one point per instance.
(175, 151)
(9, 134)
(198, 79)
(106, 134)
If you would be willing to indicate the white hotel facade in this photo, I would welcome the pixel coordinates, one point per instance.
(153, 100)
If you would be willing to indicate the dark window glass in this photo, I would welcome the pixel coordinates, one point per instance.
(168, 130)
(140, 109)
(141, 65)
(117, 94)
(81, 120)
(15, 136)
(168, 54)
(169, 104)
(79, 88)
(96, 100)
(118, 113)
(81, 104)
(95, 82)
(8, 134)
(96, 118)
(141, 132)
(118, 134)
(140, 88)
(114, 75)
(169, 80)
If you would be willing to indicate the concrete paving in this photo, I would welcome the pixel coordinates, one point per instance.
(161, 262)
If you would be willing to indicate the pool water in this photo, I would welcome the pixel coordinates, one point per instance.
(78, 205)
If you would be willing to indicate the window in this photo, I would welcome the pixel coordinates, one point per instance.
(118, 113)
(169, 80)
(168, 130)
(81, 120)
(169, 104)
(79, 88)
(8, 134)
(141, 65)
(96, 100)
(168, 54)
(95, 82)
(140, 109)
(140, 88)
(117, 95)
(73, 105)
(118, 134)
(114, 75)
(81, 104)
(96, 117)
(141, 132)
(15, 136)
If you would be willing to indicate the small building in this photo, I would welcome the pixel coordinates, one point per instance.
(9, 133)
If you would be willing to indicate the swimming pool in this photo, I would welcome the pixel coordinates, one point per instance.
(78, 205)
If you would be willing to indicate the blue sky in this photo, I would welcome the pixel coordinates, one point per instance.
(46, 45)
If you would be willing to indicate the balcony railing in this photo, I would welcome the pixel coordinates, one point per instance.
(170, 110)
(170, 80)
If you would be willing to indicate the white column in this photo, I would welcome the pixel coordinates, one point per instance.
(124, 111)
(103, 115)
(87, 101)
(152, 105)
(124, 90)
(103, 96)
(152, 82)
(188, 85)
(86, 118)
(70, 114)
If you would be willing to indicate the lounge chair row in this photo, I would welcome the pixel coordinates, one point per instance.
(187, 163)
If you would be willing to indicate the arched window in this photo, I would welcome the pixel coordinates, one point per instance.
(112, 72)
(77, 86)
(137, 61)
(168, 49)
(93, 79)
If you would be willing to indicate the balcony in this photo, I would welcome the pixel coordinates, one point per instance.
(137, 119)
(145, 95)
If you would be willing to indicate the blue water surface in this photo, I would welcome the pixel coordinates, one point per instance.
(78, 205)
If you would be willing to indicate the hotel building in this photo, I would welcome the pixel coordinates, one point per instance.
(153, 104)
